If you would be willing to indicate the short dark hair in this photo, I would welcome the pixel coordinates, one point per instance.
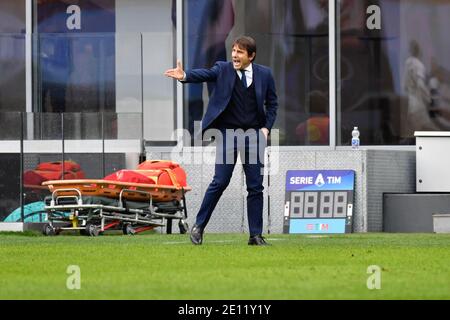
(247, 43)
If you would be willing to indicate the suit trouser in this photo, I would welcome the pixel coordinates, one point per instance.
(250, 145)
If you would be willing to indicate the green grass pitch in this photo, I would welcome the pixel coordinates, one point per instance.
(159, 266)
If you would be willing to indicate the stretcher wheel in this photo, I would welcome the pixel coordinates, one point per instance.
(92, 230)
(184, 227)
(48, 230)
(128, 229)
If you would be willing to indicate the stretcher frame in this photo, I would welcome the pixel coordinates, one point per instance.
(68, 211)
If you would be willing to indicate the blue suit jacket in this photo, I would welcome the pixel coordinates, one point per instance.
(224, 76)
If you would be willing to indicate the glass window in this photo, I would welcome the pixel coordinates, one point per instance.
(292, 39)
(10, 166)
(99, 55)
(12, 55)
(145, 48)
(10, 209)
(76, 56)
(42, 161)
(394, 71)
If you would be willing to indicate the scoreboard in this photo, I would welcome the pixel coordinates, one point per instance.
(319, 201)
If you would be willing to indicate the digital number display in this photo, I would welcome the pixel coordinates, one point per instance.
(328, 204)
(319, 201)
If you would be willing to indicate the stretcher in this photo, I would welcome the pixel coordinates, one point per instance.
(94, 206)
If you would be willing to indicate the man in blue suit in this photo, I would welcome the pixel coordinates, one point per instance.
(242, 108)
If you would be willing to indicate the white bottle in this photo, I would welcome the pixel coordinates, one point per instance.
(355, 138)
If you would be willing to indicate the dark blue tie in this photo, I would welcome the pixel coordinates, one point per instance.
(244, 79)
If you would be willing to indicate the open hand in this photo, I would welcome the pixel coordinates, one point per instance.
(177, 73)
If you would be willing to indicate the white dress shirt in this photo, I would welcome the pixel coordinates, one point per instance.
(248, 74)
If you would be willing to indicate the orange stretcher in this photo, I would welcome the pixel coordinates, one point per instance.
(93, 206)
(113, 189)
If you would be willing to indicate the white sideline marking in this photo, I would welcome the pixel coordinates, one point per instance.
(317, 236)
(218, 241)
(175, 242)
(188, 241)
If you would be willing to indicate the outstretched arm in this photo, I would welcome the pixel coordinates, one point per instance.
(177, 73)
(194, 75)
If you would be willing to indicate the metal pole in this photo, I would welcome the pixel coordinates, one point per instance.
(63, 146)
(103, 144)
(179, 86)
(142, 156)
(332, 71)
(22, 216)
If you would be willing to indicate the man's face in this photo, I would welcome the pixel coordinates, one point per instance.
(240, 57)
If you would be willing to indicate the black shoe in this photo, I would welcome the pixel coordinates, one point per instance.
(196, 235)
(257, 240)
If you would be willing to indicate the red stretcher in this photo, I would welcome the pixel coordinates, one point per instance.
(112, 189)
(94, 206)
